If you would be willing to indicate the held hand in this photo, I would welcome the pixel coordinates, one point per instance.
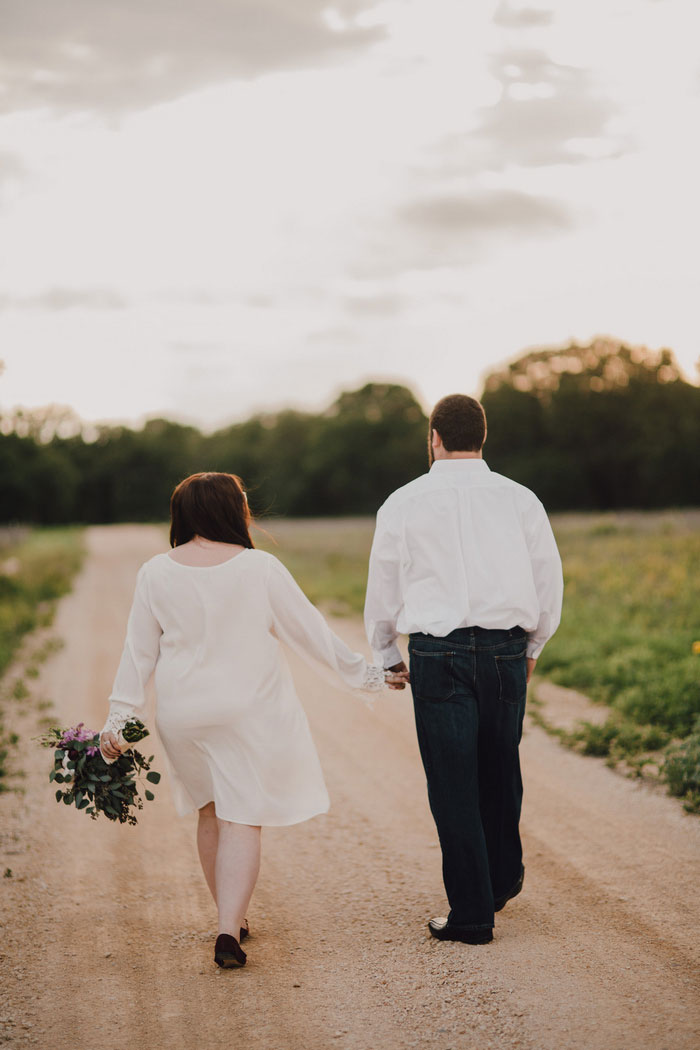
(530, 667)
(108, 743)
(399, 678)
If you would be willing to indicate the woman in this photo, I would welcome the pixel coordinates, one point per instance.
(209, 616)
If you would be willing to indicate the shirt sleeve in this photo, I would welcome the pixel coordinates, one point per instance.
(138, 660)
(300, 625)
(383, 599)
(548, 577)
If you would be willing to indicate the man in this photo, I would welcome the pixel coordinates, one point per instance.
(464, 561)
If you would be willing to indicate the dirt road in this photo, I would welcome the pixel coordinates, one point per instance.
(108, 931)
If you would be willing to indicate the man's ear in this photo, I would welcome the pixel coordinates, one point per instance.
(435, 439)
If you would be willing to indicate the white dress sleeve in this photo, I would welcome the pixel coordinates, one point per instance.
(139, 656)
(300, 625)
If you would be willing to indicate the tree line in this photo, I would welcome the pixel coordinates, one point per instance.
(601, 426)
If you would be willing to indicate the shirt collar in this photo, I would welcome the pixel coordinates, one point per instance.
(475, 465)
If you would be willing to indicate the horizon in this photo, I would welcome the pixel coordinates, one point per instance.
(89, 427)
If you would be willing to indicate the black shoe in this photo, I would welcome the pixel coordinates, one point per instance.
(501, 902)
(441, 929)
(245, 930)
(228, 952)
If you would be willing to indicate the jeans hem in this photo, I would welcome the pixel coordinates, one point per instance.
(471, 928)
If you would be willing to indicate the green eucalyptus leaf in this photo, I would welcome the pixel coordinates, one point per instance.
(149, 795)
(59, 796)
(153, 777)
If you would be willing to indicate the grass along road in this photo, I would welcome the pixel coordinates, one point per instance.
(37, 567)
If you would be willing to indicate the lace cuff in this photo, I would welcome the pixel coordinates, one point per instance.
(115, 723)
(374, 678)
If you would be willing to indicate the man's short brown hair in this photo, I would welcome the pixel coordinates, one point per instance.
(461, 423)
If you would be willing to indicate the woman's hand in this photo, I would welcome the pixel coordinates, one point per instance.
(109, 745)
(399, 677)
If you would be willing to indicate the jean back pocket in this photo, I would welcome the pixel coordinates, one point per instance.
(432, 674)
(511, 669)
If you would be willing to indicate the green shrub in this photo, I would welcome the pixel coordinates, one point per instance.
(596, 740)
(681, 770)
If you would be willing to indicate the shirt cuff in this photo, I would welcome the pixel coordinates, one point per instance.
(534, 649)
(388, 657)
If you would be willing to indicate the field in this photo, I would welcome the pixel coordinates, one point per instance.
(328, 558)
(629, 631)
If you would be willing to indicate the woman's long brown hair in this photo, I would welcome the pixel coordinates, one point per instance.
(213, 506)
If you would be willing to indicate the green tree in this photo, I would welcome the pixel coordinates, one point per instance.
(600, 426)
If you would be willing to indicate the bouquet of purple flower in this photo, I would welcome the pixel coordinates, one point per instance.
(93, 784)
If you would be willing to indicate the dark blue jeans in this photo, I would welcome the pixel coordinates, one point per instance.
(469, 698)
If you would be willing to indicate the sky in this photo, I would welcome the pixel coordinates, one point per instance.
(213, 209)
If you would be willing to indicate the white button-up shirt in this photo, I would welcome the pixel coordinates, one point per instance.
(461, 546)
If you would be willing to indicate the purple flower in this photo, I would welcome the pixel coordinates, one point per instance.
(78, 732)
(93, 751)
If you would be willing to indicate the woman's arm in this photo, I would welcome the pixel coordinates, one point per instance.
(300, 625)
(139, 656)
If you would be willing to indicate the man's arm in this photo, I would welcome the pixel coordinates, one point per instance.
(383, 598)
(547, 574)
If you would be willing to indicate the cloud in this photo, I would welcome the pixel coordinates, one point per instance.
(457, 228)
(12, 168)
(13, 174)
(196, 347)
(117, 57)
(65, 299)
(521, 17)
(547, 114)
(378, 305)
(484, 212)
(331, 335)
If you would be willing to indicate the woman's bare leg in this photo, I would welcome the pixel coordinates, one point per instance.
(208, 844)
(237, 867)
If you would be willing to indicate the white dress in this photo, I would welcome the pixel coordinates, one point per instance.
(231, 723)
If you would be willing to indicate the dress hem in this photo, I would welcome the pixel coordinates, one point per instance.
(256, 823)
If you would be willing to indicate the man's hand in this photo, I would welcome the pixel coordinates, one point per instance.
(530, 667)
(402, 677)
